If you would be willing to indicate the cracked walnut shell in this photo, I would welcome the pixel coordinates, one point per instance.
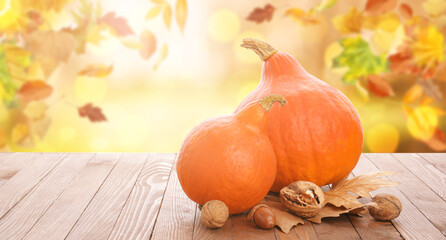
(305, 199)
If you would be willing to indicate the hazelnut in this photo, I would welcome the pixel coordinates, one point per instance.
(387, 207)
(262, 216)
(305, 199)
(214, 214)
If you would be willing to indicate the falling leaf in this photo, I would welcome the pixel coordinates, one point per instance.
(406, 11)
(35, 110)
(260, 15)
(438, 141)
(382, 42)
(358, 57)
(428, 47)
(346, 192)
(377, 7)
(351, 22)
(181, 13)
(94, 34)
(379, 86)
(131, 42)
(402, 62)
(35, 90)
(167, 15)
(325, 4)
(96, 70)
(362, 91)
(332, 211)
(422, 121)
(431, 89)
(413, 94)
(56, 45)
(118, 24)
(284, 219)
(148, 41)
(434, 7)
(155, 11)
(388, 22)
(162, 56)
(3, 138)
(301, 17)
(93, 113)
(426, 101)
(19, 132)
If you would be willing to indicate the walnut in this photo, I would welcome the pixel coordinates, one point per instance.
(305, 199)
(262, 216)
(387, 207)
(214, 214)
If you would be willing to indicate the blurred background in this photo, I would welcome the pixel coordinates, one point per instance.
(138, 75)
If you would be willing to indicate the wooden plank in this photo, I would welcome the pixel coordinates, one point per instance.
(244, 229)
(139, 213)
(411, 223)
(436, 159)
(12, 163)
(97, 221)
(306, 231)
(427, 201)
(201, 232)
(177, 213)
(432, 177)
(25, 180)
(66, 210)
(19, 220)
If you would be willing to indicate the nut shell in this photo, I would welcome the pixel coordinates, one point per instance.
(262, 216)
(214, 214)
(305, 199)
(387, 208)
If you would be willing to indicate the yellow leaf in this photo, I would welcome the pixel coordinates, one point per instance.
(413, 94)
(362, 91)
(131, 42)
(13, 18)
(382, 137)
(56, 45)
(422, 121)
(35, 71)
(162, 56)
(333, 50)
(382, 41)
(35, 110)
(3, 138)
(154, 12)
(435, 7)
(351, 22)
(94, 35)
(167, 15)
(19, 132)
(96, 70)
(388, 22)
(181, 13)
(301, 17)
(428, 47)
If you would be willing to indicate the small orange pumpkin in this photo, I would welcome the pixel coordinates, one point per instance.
(317, 136)
(230, 158)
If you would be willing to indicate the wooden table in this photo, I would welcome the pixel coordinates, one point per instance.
(138, 196)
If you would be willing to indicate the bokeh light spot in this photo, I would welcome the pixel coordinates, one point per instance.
(223, 25)
(383, 138)
(67, 133)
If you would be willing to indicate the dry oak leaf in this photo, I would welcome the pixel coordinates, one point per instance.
(148, 44)
(260, 15)
(301, 17)
(96, 70)
(346, 192)
(181, 13)
(333, 211)
(118, 24)
(379, 86)
(52, 44)
(93, 113)
(35, 90)
(284, 219)
(376, 7)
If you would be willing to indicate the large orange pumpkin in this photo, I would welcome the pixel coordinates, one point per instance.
(230, 158)
(317, 136)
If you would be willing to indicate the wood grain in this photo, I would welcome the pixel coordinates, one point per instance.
(63, 214)
(12, 163)
(19, 220)
(25, 180)
(201, 232)
(436, 159)
(411, 223)
(97, 221)
(244, 229)
(306, 231)
(177, 214)
(139, 213)
(432, 177)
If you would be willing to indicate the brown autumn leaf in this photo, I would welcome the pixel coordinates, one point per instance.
(93, 113)
(413, 94)
(406, 11)
(118, 24)
(260, 15)
(284, 219)
(181, 13)
(148, 44)
(438, 141)
(379, 86)
(35, 90)
(346, 192)
(55, 45)
(301, 17)
(333, 211)
(96, 70)
(402, 62)
(377, 7)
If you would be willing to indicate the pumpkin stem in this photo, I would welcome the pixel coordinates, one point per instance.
(268, 101)
(263, 49)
